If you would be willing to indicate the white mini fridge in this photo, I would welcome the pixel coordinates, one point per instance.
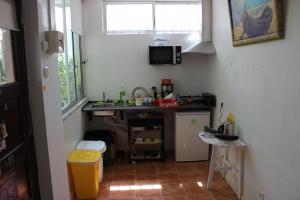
(188, 145)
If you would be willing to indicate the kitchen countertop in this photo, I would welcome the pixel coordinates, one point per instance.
(188, 107)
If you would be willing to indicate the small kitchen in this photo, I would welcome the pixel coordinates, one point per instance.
(150, 99)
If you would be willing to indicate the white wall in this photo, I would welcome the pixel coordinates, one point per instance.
(45, 104)
(122, 60)
(260, 85)
(76, 16)
(116, 61)
(74, 123)
(74, 129)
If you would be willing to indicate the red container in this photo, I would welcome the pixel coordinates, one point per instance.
(166, 81)
(166, 103)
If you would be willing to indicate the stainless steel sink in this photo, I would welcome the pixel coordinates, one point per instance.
(98, 105)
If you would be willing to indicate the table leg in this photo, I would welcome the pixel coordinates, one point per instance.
(241, 173)
(212, 166)
(224, 161)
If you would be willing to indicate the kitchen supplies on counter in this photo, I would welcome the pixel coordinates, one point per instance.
(167, 87)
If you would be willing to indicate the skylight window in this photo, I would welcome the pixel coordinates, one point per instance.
(178, 17)
(129, 17)
(153, 17)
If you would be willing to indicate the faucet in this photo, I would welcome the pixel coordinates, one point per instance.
(139, 88)
(103, 97)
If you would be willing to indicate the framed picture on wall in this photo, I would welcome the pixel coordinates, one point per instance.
(254, 21)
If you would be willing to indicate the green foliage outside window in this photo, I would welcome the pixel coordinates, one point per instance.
(63, 75)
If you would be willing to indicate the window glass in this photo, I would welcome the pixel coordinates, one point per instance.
(129, 17)
(69, 62)
(178, 17)
(69, 52)
(62, 67)
(175, 17)
(77, 63)
(59, 15)
(7, 74)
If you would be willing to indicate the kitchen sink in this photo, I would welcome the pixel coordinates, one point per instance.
(101, 105)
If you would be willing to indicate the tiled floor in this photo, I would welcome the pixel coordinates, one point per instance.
(162, 181)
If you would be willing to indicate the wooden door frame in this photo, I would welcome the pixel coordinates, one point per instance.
(21, 86)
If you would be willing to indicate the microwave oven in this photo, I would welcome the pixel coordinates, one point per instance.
(164, 55)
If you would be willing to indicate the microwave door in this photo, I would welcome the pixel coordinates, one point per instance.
(161, 55)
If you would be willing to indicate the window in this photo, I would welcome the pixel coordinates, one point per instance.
(178, 17)
(7, 74)
(69, 62)
(129, 17)
(153, 17)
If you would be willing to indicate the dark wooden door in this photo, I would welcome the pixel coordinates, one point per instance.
(18, 172)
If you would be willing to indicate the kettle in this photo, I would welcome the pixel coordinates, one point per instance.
(226, 128)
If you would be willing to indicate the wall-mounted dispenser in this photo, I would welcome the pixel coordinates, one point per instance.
(55, 42)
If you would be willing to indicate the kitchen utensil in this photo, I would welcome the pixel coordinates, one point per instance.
(139, 101)
(227, 137)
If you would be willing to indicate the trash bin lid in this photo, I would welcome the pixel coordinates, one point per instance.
(84, 156)
(92, 145)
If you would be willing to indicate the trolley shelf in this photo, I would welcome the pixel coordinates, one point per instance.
(144, 128)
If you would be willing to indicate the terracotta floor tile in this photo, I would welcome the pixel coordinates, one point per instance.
(193, 188)
(181, 197)
(203, 164)
(122, 194)
(169, 178)
(166, 169)
(187, 164)
(205, 195)
(125, 170)
(145, 169)
(146, 179)
(103, 194)
(224, 196)
(193, 178)
(221, 186)
(145, 176)
(179, 181)
(104, 185)
(188, 170)
(147, 198)
(123, 180)
(172, 189)
(148, 193)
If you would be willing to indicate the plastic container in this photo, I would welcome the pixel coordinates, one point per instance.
(110, 140)
(84, 166)
(96, 146)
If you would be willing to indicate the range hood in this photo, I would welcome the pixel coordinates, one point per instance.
(205, 46)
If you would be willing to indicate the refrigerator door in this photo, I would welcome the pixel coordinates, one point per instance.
(188, 145)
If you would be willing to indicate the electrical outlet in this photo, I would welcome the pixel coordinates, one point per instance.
(261, 196)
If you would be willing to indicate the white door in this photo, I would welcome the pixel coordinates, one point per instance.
(188, 145)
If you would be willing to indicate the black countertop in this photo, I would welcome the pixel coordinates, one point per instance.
(89, 107)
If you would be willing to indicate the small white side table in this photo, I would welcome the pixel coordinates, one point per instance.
(215, 166)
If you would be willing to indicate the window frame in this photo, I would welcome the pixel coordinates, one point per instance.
(78, 98)
(153, 2)
(126, 32)
(82, 96)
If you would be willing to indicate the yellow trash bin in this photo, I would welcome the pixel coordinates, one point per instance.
(84, 166)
